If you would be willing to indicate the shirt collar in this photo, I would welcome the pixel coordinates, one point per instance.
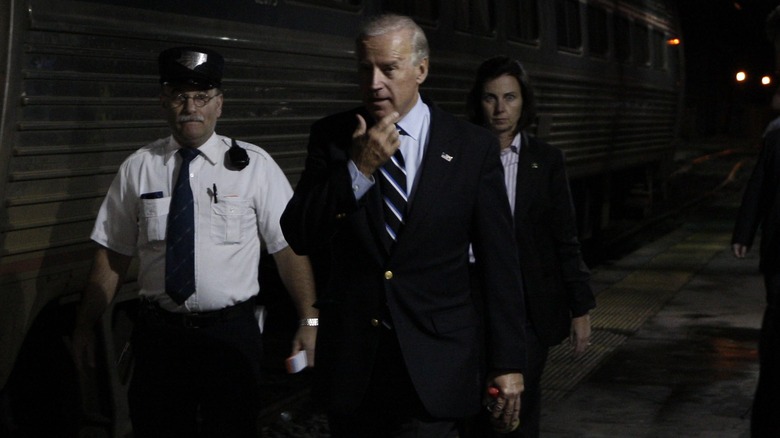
(515, 146)
(412, 122)
(210, 150)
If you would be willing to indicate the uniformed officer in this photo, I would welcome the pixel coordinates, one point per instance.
(194, 207)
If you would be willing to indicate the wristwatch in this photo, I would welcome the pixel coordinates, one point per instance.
(310, 322)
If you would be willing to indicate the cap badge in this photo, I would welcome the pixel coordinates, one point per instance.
(192, 59)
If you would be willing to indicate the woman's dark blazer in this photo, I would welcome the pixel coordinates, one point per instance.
(555, 277)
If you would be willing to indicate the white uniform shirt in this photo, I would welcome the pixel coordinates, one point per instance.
(228, 227)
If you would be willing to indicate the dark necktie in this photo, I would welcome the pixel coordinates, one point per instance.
(180, 237)
(393, 188)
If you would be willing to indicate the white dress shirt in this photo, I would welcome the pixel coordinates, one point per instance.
(510, 157)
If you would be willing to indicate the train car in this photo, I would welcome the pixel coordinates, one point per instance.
(80, 94)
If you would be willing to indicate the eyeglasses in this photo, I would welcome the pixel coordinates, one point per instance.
(200, 100)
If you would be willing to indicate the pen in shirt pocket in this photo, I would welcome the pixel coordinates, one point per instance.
(214, 190)
(152, 195)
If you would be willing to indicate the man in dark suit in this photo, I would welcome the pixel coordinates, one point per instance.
(398, 344)
(558, 295)
(761, 207)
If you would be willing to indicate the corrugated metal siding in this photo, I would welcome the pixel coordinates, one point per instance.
(89, 89)
(607, 125)
(89, 100)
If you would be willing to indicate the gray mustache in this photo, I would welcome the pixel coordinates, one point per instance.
(191, 118)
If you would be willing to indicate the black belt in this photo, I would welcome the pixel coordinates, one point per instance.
(197, 319)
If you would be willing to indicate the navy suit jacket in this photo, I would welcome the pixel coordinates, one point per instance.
(423, 280)
(556, 280)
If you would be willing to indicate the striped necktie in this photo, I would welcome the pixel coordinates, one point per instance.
(180, 237)
(393, 187)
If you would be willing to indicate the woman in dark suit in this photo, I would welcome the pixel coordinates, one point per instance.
(556, 281)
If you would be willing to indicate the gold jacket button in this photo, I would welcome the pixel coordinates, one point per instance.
(388, 275)
(375, 322)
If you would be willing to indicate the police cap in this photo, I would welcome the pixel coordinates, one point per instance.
(191, 65)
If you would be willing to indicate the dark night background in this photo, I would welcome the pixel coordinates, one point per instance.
(721, 37)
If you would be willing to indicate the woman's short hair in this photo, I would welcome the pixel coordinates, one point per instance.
(493, 68)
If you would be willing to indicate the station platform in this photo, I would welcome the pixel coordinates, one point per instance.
(674, 342)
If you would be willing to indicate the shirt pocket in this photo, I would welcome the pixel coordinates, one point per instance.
(154, 219)
(229, 218)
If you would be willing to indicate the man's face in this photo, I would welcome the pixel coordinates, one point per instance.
(502, 104)
(389, 81)
(191, 125)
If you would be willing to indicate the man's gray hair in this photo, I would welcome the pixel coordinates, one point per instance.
(386, 23)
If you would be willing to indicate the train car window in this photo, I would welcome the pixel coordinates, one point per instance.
(475, 16)
(523, 20)
(567, 20)
(658, 46)
(423, 11)
(622, 38)
(598, 42)
(642, 45)
(336, 4)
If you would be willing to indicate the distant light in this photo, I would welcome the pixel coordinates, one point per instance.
(741, 76)
(673, 41)
(737, 6)
(766, 80)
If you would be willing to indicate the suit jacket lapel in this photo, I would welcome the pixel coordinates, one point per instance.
(432, 172)
(371, 229)
(376, 219)
(525, 186)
